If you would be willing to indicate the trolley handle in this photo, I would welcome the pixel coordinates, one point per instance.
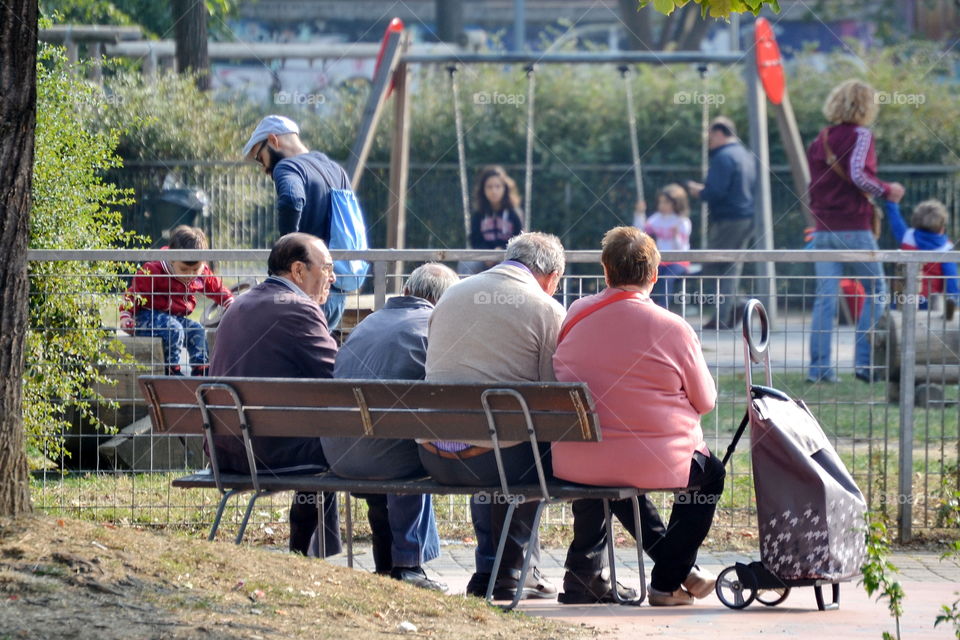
(756, 349)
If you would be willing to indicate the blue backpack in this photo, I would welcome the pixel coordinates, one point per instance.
(347, 232)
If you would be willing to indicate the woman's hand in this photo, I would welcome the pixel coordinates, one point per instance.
(896, 192)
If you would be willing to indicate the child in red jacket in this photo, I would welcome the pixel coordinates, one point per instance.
(163, 294)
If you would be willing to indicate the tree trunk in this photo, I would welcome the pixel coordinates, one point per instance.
(449, 14)
(18, 103)
(637, 23)
(190, 34)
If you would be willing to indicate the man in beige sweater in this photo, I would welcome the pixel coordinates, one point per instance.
(498, 326)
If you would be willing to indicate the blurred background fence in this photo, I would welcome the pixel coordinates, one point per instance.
(577, 202)
(904, 457)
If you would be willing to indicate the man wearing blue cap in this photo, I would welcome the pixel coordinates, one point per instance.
(303, 180)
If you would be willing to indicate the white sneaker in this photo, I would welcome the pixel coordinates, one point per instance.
(700, 583)
(666, 599)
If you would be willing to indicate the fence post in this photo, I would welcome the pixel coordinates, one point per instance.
(379, 284)
(908, 358)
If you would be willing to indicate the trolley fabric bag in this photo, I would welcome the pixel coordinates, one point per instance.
(810, 512)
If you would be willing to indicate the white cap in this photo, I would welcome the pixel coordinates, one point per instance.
(277, 125)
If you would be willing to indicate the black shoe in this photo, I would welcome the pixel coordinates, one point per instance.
(864, 375)
(536, 586)
(417, 577)
(595, 590)
(477, 586)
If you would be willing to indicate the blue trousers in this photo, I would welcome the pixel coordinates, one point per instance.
(870, 274)
(333, 308)
(176, 332)
(404, 527)
(667, 284)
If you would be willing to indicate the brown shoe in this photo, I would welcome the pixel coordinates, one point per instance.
(677, 598)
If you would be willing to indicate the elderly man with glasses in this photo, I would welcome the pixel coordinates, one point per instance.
(277, 330)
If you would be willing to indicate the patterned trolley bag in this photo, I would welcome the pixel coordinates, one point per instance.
(810, 512)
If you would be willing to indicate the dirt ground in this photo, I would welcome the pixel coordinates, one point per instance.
(64, 578)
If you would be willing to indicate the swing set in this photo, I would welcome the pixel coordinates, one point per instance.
(761, 64)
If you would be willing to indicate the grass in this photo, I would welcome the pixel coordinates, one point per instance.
(61, 577)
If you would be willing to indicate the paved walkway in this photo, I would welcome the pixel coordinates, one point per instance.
(928, 584)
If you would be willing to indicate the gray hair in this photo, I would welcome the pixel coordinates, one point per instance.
(429, 281)
(541, 252)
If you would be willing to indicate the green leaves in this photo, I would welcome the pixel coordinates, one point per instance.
(73, 208)
(877, 569)
(714, 8)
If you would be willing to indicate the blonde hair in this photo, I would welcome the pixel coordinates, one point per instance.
(853, 102)
(930, 215)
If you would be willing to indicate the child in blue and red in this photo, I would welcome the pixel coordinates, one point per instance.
(161, 297)
(927, 233)
(670, 226)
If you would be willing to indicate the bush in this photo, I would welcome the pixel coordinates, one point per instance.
(73, 208)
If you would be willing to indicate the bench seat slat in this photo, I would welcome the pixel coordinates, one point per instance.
(329, 482)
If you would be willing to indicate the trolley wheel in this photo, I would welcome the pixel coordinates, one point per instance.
(732, 591)
(772, 597)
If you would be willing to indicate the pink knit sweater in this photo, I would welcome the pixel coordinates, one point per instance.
(650, 384)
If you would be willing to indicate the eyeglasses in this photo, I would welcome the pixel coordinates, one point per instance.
(326, 267)
(256, 156)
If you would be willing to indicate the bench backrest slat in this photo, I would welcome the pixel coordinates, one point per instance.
(388, 409)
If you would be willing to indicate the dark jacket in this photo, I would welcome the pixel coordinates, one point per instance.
(273, 332)
(303, 186)
(493, 231)
(731, 178)
(389, 344)
(838, 203)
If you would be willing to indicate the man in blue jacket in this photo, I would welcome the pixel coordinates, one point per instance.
(303, 181)
(391, 344)
(728, 192)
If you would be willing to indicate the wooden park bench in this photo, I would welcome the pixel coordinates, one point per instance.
(244, 407)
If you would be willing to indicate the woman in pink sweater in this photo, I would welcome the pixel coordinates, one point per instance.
(651, 384)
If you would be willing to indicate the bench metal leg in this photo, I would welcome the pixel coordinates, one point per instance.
(220, 507)
(322, 524)
(349, 530)
(500, 546)
(246, 515)
(611, 555)
(527, 556)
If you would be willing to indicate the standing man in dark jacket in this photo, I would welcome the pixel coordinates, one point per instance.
(277, 330)
(728, 193)
(391, 344)
(303, 181)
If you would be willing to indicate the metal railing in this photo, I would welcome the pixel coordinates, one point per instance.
(904, 457)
